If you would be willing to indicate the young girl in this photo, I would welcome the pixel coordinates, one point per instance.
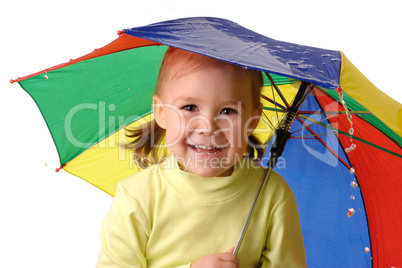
(188, 209)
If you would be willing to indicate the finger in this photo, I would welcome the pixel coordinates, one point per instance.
(230, 258)
(231, 250)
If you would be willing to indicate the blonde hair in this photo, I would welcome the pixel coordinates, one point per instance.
(145, 138)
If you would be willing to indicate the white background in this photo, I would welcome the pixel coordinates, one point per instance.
(50, 219)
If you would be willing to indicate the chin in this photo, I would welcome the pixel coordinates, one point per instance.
(211, 172)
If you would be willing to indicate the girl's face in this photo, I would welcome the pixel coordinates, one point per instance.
(208, 115)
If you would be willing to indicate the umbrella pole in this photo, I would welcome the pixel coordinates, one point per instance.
(263, 183)
(282, 136)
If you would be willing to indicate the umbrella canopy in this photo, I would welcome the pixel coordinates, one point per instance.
(350, 203)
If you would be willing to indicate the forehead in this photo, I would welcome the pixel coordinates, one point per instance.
(212, 85)
(178, 63)
(182, 69)
(181, 66)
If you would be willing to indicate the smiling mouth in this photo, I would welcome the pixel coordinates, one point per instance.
(210, 150)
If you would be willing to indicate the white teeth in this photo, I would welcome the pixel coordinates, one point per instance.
(203, 147)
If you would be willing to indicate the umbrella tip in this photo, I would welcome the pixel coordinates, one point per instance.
(13, 80)
(58, 169)
(119, 32)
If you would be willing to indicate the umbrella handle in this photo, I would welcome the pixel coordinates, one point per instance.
(282, 133)
(263, 183)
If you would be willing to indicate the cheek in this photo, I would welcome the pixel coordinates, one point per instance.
(233, 130)
(242, 131)
(175, 130)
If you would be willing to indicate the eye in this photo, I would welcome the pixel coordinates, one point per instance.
(228, 111)
(190, 108)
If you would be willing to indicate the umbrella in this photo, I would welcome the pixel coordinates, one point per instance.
(333, 136)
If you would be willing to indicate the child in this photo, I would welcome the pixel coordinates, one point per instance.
(188, 209)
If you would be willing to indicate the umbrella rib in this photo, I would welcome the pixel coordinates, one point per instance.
(275, 103)
(277, 89)
(270, 124)
(354, 137)
(323, 143)
(314, 123)
(334, 112)
(305, 96)
(303, 136)
(283, 108)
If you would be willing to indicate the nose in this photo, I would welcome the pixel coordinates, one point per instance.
(204, 125)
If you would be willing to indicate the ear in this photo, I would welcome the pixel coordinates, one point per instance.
(256, 118)
(159, 111)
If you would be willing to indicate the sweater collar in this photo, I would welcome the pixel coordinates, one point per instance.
(203, 189)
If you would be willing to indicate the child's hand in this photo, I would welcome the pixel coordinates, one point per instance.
(221, 260)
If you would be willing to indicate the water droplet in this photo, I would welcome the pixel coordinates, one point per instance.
(351, 148)
(303, 67)
(46, 77)
(352, 197)
(351, 131)
(295, 62)
(351, 212)
(354, 184)
(247, 36)
(352, 170)
(367, 249)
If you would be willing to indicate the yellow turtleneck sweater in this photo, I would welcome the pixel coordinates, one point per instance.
(164, 217)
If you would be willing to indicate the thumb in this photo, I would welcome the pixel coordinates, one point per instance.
(231, 250)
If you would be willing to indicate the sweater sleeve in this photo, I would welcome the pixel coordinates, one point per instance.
(284, 246)
(124, 233)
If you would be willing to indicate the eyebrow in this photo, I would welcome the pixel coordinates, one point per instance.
(193, 100)
(236, 103)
